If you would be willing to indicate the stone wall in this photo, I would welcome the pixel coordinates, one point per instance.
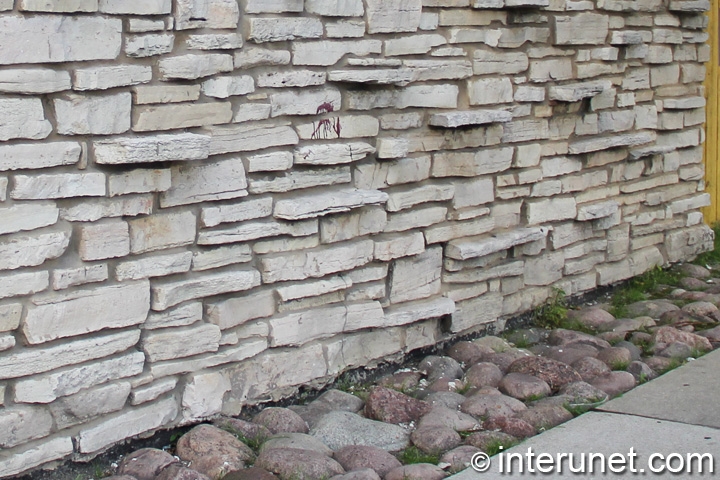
(205, 204)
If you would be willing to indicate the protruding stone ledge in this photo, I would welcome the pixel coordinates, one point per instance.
(156, 148)
(684, 103)
(575, 92)
(495, 4)
(383, 76)
(332, 154)
(320, 204)
(406, 313)
(467, 248)
(605, 143)
(597, 210)
(689, 6)
(469, 117)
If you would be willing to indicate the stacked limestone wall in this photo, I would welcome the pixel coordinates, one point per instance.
(207, 203)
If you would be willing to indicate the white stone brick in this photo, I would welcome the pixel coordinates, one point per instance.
(248, 210)
(154, 148)
(473, 192)
(280, 29)
(250, 57)
(162, 231)
(127, 424)
(581, 29)
(34, 80)
(32, 156)
(295, 180)
(336, 8)
(396, 245)
(88, 404)
(248, 138)
(345, 29)
(490, 91)
(183, 315)
(141, 46)
(193, 66)
(63, 6)
(449, 231)
(73, 38)
(403, 199)
(171, 343)
(111, 76)
(194, 183)
(316, 263)
(469, 117)
(314, 205)
(213, 14)
(306, 102)
(61, 185)
(166, 294)
(219, 257)
(20, 424)
(324, 53)
(550, 209)
(366, 221)
(60, 316)
(27, 216)
(226, 41)
(228, 86)
(145, 94)
(296, 329)
(104, 240)
(23, 118)
(468, 164)
(70, 277)
(36, 455)
(23, 283)
(413, 45)
(254, 230)
(139, 181)
(151, 392)
(97, 208)
(273, 6)
(136, 7)
(30, 251)
(239, 310)
(248, 112)
(295, 78)
(153, 266)
(408, 170)
(332, 154)
(10, 316)
(42, 359)
(428, 96)
(95, 115)
(387, 16)
(168, 117)
(270, 162)
(350, 351)
(141, 25)
(203, 396)
(416, 277)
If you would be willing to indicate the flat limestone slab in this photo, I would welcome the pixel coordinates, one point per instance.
(608, 433)
(688, 394)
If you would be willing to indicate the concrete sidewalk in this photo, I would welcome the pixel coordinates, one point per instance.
(676, 413)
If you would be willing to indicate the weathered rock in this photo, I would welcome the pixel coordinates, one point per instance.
(554, 373)
(674, 350)
(582, 393)
(570, 353)
(451, 400)
(418, 471)
(545, 417)
(594, 318)
(483, 375)
(459, 458)
(482, 405)
(281, 420)
(523, 386)
(668, 335)
(390, 406)
(691, 283)
(706, 309)
(563, 337)
(614, 383)
(354, 457)
(695, 271)
(339, 400)
(252, 473)
(468, 352)
(212, 451)
(290, 464)
(251, 431)
(589, 367)
(617, 358)
(442, 416)
(485, 440)
(641, 371)
(145, 464)
(177, 471)
(440, 367)
(435, 440)
(503, 360)
(401, 381)
(340, 429)
(516, 427)
(650, 308)
(659, 364)
(296, 441)
(527, 336)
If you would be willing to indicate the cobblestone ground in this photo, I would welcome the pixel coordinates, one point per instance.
(427, 421)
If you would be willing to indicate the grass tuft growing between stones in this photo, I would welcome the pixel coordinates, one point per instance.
(497, 446)
(553, 314)
(652, 284)
(412, 455)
